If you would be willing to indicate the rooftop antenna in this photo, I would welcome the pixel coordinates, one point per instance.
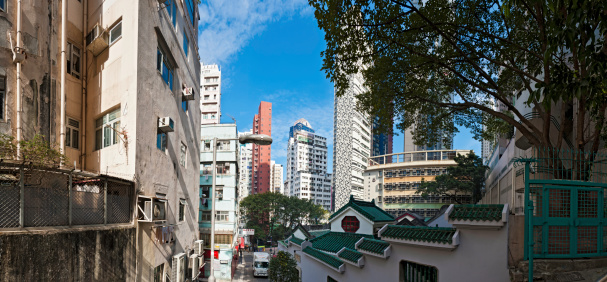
(231, 117)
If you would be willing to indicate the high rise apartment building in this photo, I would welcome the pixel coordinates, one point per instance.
(352, 144)
(261, 175)
(381, 143)
(276, 184)
(210, 99)
(307, 176)
(115, 83)
(245, 166)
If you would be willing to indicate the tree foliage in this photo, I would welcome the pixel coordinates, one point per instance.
(36, 150)
(283, 268)
(471, 63)
(263, 211)
(465, 178)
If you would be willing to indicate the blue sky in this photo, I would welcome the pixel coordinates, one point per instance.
(270, 51)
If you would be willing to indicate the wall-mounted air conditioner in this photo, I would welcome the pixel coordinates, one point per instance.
(144, 209)
(199, 247)
(178, 268)
(194, 265)
(188, 93)
(166, 124)
(97, 40)
(159, 209)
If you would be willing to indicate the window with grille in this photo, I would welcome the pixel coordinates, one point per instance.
(158, 270)
(413, 272)
(205, 216)
(181, 209)
(350, 224)
(72, 133)
(107, 128)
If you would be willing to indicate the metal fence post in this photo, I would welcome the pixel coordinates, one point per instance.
(21, 198)
(105, 201)
(529, 225)
(69, 199)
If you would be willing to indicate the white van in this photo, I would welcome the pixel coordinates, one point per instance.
(261, 262)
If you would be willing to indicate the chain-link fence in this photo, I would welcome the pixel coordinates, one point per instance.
(36, 197)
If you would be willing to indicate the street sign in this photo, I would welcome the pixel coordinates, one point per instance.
(246, 232)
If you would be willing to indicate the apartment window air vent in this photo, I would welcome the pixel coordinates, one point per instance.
(166, 124)
(188, 93)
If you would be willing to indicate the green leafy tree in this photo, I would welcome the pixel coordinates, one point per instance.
(273, 214)
(35, 150)
(472, 63)
(465, 178)
(283, 268)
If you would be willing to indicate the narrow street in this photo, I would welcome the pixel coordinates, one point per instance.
(244, 270)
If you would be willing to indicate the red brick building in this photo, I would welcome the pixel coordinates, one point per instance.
(262, 124)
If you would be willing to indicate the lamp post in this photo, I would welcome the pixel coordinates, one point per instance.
(259, 139)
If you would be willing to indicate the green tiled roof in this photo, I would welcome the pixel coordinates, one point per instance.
(420, 233)
(334, 241)
(317, 233)
(351, 255)
(283, 243)
(374, 246)
(367, 209)
(296, 240)
(328, 259)
(477, 212)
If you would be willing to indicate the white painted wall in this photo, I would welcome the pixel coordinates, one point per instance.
(481, 256)
(366, 226)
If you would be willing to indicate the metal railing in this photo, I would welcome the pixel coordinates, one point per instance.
(39, 197)
(416, 156)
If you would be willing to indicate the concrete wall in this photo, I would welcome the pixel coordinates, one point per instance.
(481, 256)
(75, 255)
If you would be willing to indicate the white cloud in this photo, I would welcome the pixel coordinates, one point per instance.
(227, 26)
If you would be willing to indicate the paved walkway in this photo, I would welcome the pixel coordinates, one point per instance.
(244, 270)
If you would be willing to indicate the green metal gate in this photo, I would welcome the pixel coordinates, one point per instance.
(565, 205)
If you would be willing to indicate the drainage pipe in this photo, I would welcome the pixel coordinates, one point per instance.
(63, 71)
(85, 28)
(18, 96)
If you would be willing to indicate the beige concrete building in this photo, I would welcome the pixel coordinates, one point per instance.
(114, 83)
(392, 181)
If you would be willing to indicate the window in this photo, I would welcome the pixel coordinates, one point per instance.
(223, 168)
(192, 12)
(223, 239)
(205, 216)
(410, 271)
(164, 67)
(2, 94)
(222, 216)
(183, 155)
(73, 60)
(107, 128)
(158, 271)
(3, 5)
(161, 141)
(182, 209)
(204, 191)
(206, 169)
(219, 194)
(184, 105)
(172, 10)
(350, 224)
(185, 43)
(207, 145)
(116, 32)
(72, 133)
(223, 146)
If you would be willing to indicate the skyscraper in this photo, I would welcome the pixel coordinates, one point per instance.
(210, 100)
(382, 143)
(245, 167)
(307, 176)
(262, 124)
(352, 145)
(276, 184)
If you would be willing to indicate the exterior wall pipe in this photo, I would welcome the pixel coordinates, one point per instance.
(18, 102)
(85, 27)
(63, 70)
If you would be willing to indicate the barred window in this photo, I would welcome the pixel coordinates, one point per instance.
(350, 224)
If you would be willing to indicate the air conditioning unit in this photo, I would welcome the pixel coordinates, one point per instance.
(144, 207)
(166, 124)
(194, 265)
(188, 93)
(97, 40)
(159, 210)
(199, 247)
(178, 267)
(162, 1)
